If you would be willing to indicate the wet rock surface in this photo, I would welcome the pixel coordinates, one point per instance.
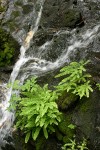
(9, 51)
(64, 14)
(87, 118)
(63, 24)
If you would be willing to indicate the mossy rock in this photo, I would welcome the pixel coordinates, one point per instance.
(40, 142)
(19, 141)
(64, 129)
(27, 9)
(15, 14)
(59, 135)
(8, 49)
(2, 8)
(47, 144)
(72, 18)
(41, 37)
(63, 15)
(12, 25)
(19, 3)
(66, 100)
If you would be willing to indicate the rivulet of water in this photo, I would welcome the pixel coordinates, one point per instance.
(8, 117)
(36, 63)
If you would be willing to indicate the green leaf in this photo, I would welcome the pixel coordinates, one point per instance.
(51, 128)
(71, 126)
(45, 133)
(36, 133)
(42, 121)
(27, 137)
(98, 85)
(30, 124)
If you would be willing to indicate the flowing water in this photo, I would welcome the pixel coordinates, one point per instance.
(8, 117)
(32, 60)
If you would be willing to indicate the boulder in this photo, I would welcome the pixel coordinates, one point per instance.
(60, 14)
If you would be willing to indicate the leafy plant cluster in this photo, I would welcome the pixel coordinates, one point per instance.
(37, 109)
(73, 145)
(6, 49)
(75, 79)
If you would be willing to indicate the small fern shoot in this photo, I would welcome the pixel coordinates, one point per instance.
(98, 85)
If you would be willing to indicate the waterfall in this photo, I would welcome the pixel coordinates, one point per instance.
(35, 63)
(8, 117)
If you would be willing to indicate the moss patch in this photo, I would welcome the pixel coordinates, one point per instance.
(2, 9)
(15, 14)
(64, 129)
(66, 100)
(19, 3)
(72, 18)
(40, 142)
(7, 48)
(27, 9)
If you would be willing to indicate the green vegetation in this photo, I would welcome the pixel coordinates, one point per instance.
(75, 79)
(98, 85)
(73, 145)
(6, 49)
(66, 128)
(71, 126)
(37, 109)
(2, 9)
(15, 14)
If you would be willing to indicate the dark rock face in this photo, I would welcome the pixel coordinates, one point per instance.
(9, 51)
(63, 24)
(19, 16)
(60, 14)
(87, 118)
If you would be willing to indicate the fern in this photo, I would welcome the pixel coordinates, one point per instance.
(75, 79)
(83, 90)
(73, 145)
(37, 109)
(98, 85)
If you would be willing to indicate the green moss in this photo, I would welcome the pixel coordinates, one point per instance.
(84, 105)
(66, 100)
(59, 135)
(12, 25)
(19, 141)
(27, 9)
(1, 8)
(63, 127)
(71, 18)
(19, 2)
(15, 14)
(7, 48)
(84, 108)
(40, 143)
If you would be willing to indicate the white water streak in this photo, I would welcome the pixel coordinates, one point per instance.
(85, 39)
(8, 117)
